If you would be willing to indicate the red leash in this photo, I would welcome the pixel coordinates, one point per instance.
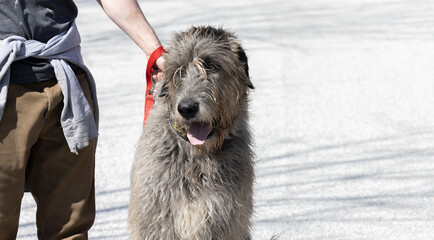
(149, 102)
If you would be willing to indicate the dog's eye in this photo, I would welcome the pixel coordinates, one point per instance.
(211, 67)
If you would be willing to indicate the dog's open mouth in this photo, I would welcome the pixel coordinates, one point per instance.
(198, 132)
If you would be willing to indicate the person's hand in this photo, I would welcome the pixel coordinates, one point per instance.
(157, 73)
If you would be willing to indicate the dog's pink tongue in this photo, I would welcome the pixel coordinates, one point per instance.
(197, 133)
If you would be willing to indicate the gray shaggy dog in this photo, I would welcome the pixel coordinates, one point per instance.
(192, 174)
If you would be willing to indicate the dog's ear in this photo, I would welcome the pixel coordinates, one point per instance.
(243, 58)
(236, 48)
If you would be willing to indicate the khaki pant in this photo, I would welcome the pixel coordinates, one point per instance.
(61, 182)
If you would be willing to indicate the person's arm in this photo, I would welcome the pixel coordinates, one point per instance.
(129, 17)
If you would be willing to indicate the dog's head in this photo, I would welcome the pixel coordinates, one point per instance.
(206, 84)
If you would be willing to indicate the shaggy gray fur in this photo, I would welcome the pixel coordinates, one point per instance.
(201, 192)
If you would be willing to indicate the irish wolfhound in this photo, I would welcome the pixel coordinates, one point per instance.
(192, 175)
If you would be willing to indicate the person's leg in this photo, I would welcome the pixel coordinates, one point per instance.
(20, 126)
(61, 182)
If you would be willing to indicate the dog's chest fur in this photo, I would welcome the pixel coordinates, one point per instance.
(194, 202)
(190, 216)
(205, 186)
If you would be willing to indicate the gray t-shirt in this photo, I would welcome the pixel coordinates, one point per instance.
(39, 20)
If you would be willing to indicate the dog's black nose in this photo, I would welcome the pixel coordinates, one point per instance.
(188, 108)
